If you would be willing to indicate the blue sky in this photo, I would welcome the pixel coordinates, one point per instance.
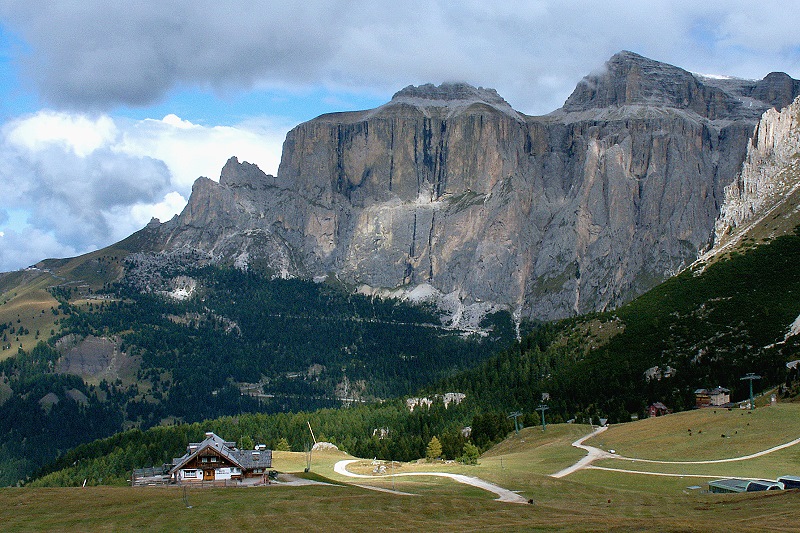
(109, 111)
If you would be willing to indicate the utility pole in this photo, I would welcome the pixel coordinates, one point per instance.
(751, 377)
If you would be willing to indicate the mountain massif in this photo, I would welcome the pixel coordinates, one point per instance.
(447, 193)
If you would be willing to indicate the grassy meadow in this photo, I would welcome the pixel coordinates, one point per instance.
(587, 500)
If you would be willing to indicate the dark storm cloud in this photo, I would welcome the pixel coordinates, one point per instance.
(98, 54)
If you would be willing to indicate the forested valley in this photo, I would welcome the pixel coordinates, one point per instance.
(243, 343)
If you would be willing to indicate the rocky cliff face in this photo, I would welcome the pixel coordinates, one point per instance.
(448, 191)
(770, 173)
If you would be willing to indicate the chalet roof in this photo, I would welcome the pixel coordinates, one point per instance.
(250, 459)
(717, 390)
(659, 405)
(244, 459)
(216, 439)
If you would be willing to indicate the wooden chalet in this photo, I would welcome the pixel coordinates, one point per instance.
(717, 397)
(215, 459)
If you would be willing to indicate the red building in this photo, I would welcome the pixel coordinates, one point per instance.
(658, 409)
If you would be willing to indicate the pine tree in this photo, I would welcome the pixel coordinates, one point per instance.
(434, 449)
(471, 454)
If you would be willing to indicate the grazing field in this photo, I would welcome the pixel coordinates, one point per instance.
(587, 500)
(704, 434)
(441, 506)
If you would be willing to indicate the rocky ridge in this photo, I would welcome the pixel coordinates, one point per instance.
(770, 174)
(447, 193)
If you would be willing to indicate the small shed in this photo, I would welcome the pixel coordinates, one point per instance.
(702, 398)
(720, 396)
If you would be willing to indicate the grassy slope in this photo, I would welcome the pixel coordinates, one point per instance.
(589, 500)
(24, 294)
(24, 297)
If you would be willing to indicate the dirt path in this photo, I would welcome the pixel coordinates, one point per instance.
(504, 495)
(594, 454)
(712, 461)
(663, 474)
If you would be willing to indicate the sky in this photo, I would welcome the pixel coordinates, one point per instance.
(109, 111)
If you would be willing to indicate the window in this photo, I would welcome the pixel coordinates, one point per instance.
(189, 474)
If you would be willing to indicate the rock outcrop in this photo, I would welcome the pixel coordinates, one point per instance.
(449, 191)
(770, 173)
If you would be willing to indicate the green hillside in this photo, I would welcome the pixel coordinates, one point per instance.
(709, 326)
(245, 343)
(705, 327)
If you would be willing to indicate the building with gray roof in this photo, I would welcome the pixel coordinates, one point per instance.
(215, 459)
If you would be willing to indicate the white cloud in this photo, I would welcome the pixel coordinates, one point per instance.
(79, 133)
(85, 182)
(191, 150)
(171, 204)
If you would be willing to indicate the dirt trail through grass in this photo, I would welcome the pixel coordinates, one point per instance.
(594, 454)
(504, 495)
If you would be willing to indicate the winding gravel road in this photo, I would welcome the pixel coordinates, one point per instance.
(594, 454)
(503, 495)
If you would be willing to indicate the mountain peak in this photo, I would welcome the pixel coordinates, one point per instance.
(450, 95)
(447, 92)
(629, 78)
(244, 174)
(777, 89)
(632, 79)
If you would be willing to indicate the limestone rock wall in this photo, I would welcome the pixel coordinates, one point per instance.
(769, 171)
(451, 189)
